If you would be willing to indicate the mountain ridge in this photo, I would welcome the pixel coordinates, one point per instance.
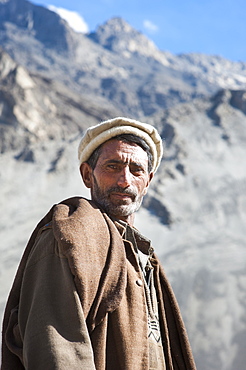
(147, 82)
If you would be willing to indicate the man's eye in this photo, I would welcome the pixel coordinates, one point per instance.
(112, 166)
(136, 169)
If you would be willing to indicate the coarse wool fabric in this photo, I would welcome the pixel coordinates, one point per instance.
(97, 135)
(102, 294)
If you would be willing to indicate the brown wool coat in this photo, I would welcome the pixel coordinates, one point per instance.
(75, 303)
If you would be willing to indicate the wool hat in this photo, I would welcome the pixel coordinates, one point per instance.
(99, 134)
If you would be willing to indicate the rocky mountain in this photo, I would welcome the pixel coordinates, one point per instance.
(115, 62)
(34, 108)
(201, 184)
(54, 83)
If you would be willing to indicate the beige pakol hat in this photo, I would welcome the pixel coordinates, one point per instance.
(99, 134)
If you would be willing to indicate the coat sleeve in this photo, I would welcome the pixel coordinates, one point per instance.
(51, 319)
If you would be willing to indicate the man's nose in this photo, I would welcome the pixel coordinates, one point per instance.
(124, 179)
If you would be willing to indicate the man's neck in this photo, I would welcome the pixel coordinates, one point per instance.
(129, 219)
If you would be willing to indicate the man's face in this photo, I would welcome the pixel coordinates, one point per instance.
(120, 178)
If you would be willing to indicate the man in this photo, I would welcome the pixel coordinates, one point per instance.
(89, 292)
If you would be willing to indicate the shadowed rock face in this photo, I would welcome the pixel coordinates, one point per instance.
(32, 18)
(195, 210)
(34, 108)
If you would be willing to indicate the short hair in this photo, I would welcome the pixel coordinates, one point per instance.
(127, 138)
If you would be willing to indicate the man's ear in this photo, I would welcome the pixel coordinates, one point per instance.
(151, 175)
(86, 173)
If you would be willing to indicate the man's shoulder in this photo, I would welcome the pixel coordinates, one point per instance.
(74, 208)
(62, 211)
(76, 202)
(78, 215)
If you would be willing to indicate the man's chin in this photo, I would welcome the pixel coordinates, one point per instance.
(123, 210)
(118, 210)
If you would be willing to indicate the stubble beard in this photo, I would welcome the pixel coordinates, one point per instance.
(120, 208)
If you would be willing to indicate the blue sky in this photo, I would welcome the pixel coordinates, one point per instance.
(215, 27)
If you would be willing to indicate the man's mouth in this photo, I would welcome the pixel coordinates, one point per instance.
(122, 194)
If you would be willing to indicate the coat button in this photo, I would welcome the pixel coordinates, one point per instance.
(139, 282)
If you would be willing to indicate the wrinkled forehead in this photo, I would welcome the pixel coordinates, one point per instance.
(121, 150)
